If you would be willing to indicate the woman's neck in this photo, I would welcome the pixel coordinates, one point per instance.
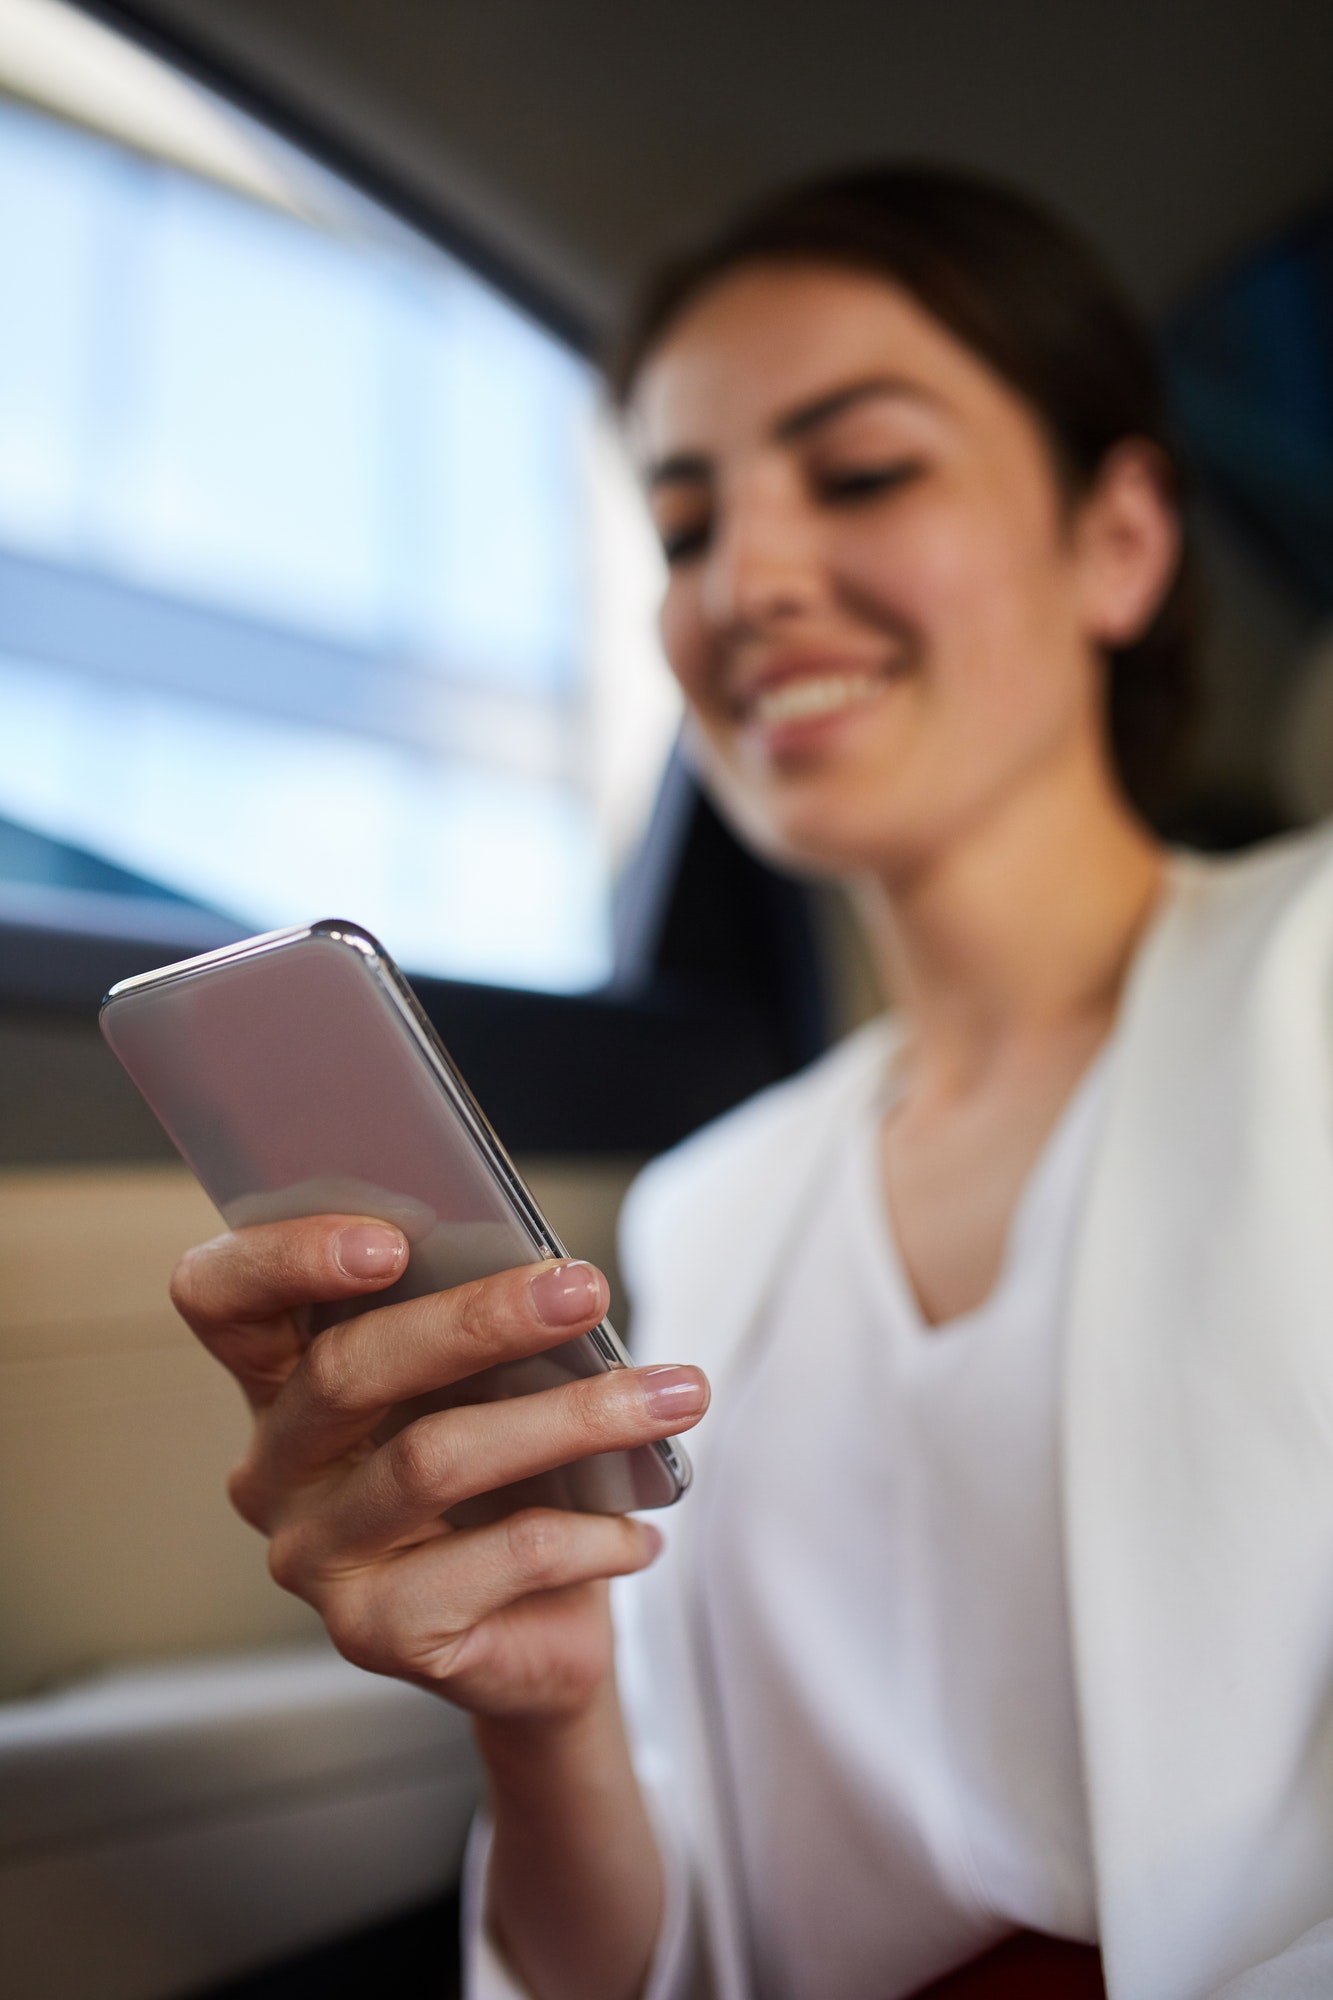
(1022, 926)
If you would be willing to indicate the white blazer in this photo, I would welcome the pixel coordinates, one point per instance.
(1197, 1438)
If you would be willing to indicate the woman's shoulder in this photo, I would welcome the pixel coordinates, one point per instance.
(1227, 916)
(1228, 1017)
(1269, 873)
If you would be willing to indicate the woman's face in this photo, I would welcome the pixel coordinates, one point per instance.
(882, 610)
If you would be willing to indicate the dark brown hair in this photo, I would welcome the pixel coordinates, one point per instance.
(1028, 296)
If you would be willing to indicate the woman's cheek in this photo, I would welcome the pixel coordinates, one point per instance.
(680, 627)
(919, 572)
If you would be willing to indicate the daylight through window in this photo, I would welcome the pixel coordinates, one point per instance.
(323, 589)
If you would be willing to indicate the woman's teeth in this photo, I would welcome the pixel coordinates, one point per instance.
(817, 695)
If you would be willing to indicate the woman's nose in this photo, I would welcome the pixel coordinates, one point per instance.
(763, 564)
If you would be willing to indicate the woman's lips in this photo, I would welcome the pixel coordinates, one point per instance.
(814, 697)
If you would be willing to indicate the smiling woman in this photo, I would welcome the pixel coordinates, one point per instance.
(991, 1654)
(1062, 340)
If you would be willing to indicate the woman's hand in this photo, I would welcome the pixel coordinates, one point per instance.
(508, 1620)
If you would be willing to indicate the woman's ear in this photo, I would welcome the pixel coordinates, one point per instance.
(1128, 540)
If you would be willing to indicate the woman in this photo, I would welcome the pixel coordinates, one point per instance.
(1000, 1627)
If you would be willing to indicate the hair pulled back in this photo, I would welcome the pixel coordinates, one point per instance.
(1023, 291)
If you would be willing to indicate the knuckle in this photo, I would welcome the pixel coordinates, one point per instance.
(292, 1259)
(473, 1316)
(600, 1412)
(370, 1629)
(419, 1456)
(288, 1562)
(537, 1543)
(359, 1635)
(331, 1378)
(186, 1286)
(243, 1491)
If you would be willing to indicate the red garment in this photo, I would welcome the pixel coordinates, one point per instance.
(1025, 1967)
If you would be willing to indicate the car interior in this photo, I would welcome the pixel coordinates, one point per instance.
(325, 590)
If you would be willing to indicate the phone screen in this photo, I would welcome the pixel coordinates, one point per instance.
(289, 1083)
(295, 1079)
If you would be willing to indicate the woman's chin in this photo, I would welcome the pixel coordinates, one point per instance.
(828, 819)
(845, 807)
(833, 843)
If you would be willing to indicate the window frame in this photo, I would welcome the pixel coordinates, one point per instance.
(716, 991)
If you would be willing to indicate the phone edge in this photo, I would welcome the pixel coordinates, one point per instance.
(347, 932)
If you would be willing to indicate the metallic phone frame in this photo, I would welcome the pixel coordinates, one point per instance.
(606, 1341)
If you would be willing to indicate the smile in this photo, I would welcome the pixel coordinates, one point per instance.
(812, 697)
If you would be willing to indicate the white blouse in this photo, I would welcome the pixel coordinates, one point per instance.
(883, 1583)
(1196, 1454)
(883, 1586)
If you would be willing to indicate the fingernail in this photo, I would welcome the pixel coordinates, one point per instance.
(654, 1539)
(567, 1294)
(674, 1393)
(368, 1250)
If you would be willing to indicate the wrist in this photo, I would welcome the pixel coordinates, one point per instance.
(574, 1889)
(527, 1753)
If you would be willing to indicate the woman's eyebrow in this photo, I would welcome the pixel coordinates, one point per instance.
(683, 468)
(809, 416)
(694, 468)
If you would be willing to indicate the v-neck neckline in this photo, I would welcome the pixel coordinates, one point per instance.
(1079, 1107)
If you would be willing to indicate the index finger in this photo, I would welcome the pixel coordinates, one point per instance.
(355, 1372)
(241, 1292)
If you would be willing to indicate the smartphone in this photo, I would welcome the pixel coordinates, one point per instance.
(297, 1075)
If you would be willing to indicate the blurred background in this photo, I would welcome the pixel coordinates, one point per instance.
(324, 588)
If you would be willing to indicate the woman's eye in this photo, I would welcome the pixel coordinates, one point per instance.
(680, 544)
(866, 482)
